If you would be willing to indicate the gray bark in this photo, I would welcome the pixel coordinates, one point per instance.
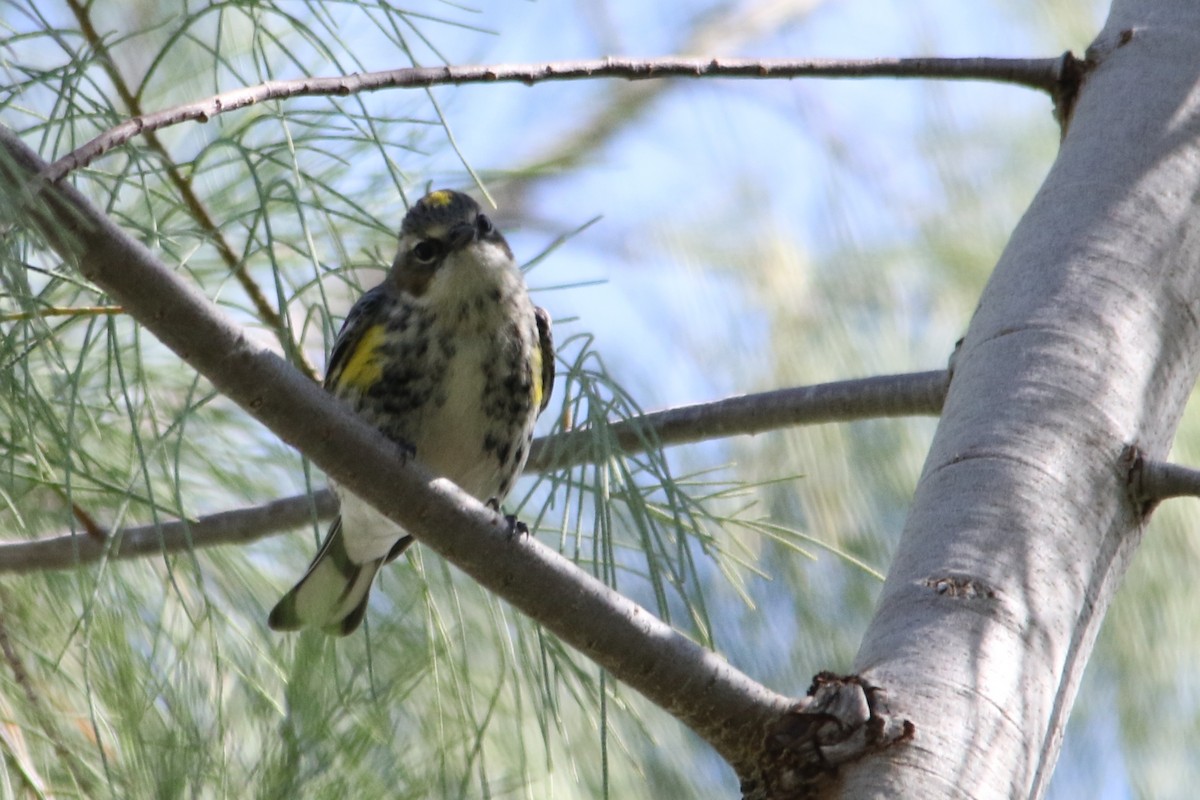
(1085, 341)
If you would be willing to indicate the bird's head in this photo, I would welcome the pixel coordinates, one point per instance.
(448, 246)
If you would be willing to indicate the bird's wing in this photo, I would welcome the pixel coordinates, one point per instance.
(353, 331)
(546, 348)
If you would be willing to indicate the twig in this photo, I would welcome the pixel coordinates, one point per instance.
(61, 311)
(199, 211)
(1035, 73)
(884, 396)
(717, 32)
(44, 720)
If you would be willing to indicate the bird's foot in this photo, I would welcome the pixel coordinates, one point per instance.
(516, 528)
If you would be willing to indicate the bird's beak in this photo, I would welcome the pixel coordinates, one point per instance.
(461, 235)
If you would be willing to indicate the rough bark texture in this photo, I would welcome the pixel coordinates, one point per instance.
(1085, 341)
(842, 719)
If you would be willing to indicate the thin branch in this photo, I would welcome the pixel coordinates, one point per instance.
(1161, 480)
(1150, 482)
(238, 526)
(183, 185)
(1035, 73)
(920, 393)
(729, 28)
(723, 706)
(62, 311)
(885, 396)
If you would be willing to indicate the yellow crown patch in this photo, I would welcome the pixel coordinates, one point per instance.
(439, 198)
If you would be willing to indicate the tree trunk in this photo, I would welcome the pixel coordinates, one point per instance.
(1085, 341)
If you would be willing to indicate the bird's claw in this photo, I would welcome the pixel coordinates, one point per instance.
(516, 528)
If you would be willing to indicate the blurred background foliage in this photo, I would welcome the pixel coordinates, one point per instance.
(750, 235)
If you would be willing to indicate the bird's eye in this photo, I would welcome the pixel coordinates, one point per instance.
(484, 225)
(425, 251)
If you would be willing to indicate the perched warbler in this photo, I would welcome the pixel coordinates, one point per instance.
(449, 358)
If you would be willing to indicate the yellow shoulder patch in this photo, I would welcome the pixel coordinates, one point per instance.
(439, 198)
(362, 368)
(536, 374)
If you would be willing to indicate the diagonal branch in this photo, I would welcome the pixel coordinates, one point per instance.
(1045, 74)
(868, 398)
(723, 706)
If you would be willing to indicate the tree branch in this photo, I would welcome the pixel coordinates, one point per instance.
(1150, 482)
(919, 393)
(1036, 73)
(727, 28)
(1162, 480)
(723, 706)
(867, 398)
(237, 526)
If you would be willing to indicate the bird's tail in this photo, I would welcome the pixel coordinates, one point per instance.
(333, 594)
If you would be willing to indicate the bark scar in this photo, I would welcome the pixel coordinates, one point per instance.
(843, 719)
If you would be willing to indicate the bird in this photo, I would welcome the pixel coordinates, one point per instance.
(450, 359)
